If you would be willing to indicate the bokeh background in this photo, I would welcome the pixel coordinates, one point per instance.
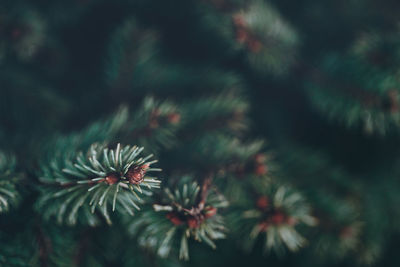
(320, 80)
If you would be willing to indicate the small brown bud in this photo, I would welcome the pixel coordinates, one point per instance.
(261, 169)
(193, 222)
(174, 118)
(174, 218)
(112, 178)
(278, 218)
(136, 174)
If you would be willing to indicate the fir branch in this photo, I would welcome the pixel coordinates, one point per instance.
(276, 211)
(190, 211)
(91, 181)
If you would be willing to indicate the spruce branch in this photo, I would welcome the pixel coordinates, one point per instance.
(189, 211)
(224, 113)
(276, 212)
(91, 181)
(271, 42)
(154, 124)
(359, 87)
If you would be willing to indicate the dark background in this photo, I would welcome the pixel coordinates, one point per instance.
(280, 111)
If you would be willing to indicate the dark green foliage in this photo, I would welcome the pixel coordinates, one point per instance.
(78, 185)
(273, 212)
(232, 98)
(187, 212)
(9, 179)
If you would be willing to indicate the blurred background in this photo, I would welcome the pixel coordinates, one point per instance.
(317, 81)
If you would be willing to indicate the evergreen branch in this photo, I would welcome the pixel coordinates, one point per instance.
(271, 42)
(91, 181)
(276, 211)
(181, 214)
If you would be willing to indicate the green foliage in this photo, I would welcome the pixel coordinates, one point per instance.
(359, 88)
(9, 178)
(78, 185)
(22, 34)
(154, 125)
(275, 214)
(271, 42)
(199, 84)
(225, 112)
(131, 47)
(189, 211)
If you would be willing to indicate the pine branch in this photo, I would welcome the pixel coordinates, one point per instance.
(276, 211)
(184, 213)
(89, 182)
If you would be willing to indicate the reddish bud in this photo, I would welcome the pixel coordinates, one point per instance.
(136, 174)
(261, 169)
(112, 178)
(262, 203)
(174, 218)
(278, 218)
(193, 222)
(209, 212)
(174, 118)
